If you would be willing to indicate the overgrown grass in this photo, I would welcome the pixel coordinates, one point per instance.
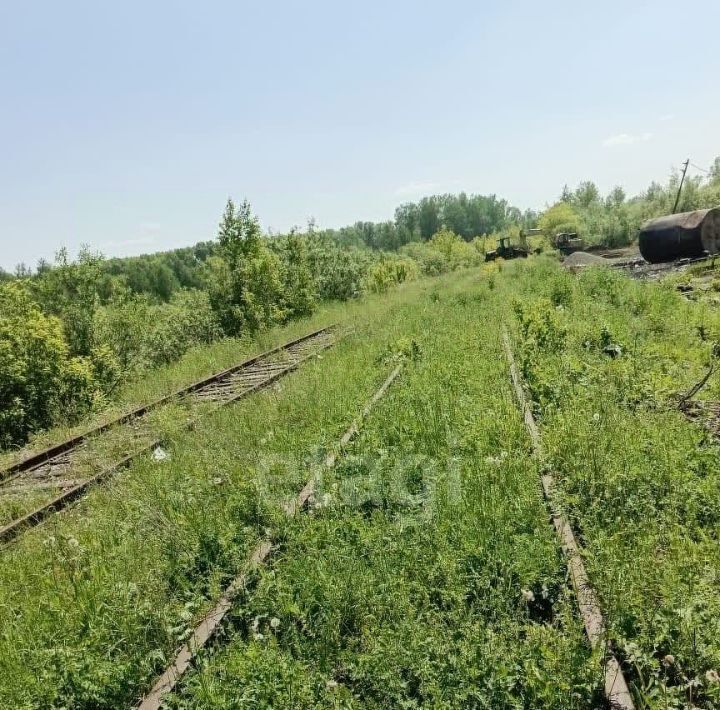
(606, 359)
(425, 573)
(93, 601)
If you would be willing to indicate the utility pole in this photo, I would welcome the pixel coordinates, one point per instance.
(682, 180)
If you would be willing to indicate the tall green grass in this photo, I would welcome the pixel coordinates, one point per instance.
(427, 573)
(639, 480)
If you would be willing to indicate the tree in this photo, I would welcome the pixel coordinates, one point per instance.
(23, 271)
(407, 220)
(714, 172)
(586, 194)
(70, 291)
(561, 217)
(239, 234)
(428, 217)
(39, 380)
(244, 281)
(299, 285)
(616, 197)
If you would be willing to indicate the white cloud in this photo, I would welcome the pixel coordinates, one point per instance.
(417, 188)
(626, 139)
(667, 117)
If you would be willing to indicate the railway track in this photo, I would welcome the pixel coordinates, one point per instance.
(211, 622)
(50, 480)
(616, 689)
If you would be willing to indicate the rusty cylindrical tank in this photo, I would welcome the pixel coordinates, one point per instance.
(678, 236)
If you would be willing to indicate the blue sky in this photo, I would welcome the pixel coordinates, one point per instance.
(127, 125)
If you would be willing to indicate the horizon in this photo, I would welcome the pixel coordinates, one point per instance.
(129, 131)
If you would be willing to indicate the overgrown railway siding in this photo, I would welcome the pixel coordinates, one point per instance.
(616, 688)
(68, 469)
(208, 626)
(411, 584)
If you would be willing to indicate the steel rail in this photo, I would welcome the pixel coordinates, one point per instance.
(616, 688)
(211, 622)
(37, 459)
(16, 527)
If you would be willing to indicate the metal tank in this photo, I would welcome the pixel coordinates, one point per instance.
(678, 236)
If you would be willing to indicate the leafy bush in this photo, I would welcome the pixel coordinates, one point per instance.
(561, 217)
(299, 284)
(69, 290)
(39, 380)
(140, 334)
(187, 320)
(245, 280)
(388, 272)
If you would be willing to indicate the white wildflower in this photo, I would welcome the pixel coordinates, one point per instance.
(218, 481)
(596, 417)
(668, 660)
(528, 595)
(258, 636)
(331, 684)
(72, 542)
(275, 622)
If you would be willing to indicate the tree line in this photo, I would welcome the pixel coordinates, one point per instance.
(613, 220)
(75, 330)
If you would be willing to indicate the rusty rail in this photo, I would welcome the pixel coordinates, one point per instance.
(616, 688)
(224, 388)
(37, 459)
(210, 623)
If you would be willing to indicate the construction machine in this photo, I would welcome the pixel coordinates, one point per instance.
(505, 250)
(568, 242)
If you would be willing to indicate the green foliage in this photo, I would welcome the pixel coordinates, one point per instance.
(540, 326)
(69, 290)
(299, 285)
(636, 477)
(615, 220)
(389, 272)
(431, 261)
(561, 217)
(158, 275)
(245, 281)
(457, 252)
(465, 215)
(337, 270)
(39, 379)
(187, 320)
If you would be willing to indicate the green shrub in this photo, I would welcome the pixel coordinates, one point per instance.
(388, 272)
(187, 320)
(39, 379)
